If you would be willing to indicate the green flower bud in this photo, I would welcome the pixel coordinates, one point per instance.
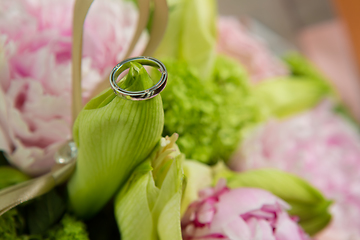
(306, 201)
(148, 206)
(285, 96)
(191, 34)
(301, 67)
(113, 136)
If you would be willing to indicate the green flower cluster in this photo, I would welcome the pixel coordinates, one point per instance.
(208, 115)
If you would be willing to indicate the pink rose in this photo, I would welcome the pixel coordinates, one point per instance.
(320, 146)
(239, 214)
(35, 71)
(235, 41)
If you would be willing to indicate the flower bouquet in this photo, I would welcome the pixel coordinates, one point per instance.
(239, 145)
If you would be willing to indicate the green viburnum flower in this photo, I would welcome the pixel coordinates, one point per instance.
(306, 201)
(209, 116)
(148, 206)
(11, 225)
(191, 34)
(69, 228)
(113, 136)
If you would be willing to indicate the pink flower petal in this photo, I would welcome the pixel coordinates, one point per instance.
(35, 71)
(287, 229)
(318, 142)
(239, 214)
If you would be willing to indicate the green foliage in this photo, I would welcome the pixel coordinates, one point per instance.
(10, 176)
(3, 160)
(44, 212)
(11, 225)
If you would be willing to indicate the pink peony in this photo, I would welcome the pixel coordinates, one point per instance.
(239, 214)
(35, 71)
(320, 146)
(235, 41)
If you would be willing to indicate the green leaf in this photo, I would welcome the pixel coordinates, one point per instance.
(10, 176)
(316, 224)
(3, 160)
(308, 211)
(44, 212)
(284, 185)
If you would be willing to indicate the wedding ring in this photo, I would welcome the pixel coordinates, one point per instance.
(144, 94)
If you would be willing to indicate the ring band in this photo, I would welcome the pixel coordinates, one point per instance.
(144, 94)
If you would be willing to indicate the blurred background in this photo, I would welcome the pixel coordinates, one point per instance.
(325, 31)
(286, 17)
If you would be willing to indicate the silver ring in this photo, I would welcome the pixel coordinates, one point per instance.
(139, 95)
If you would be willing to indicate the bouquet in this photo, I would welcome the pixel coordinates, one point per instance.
(238, 145)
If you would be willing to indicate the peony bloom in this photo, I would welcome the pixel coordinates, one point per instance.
(235, 41)
(320, 146)
(35, 71)
(239, 214)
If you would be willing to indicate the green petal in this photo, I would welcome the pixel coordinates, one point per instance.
(172, 186)
(158, 203)
(134, 202)
(170, 220)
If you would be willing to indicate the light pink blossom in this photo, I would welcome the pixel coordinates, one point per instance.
(35, 71)
(234, 40)
(239, 214)
(320, 146)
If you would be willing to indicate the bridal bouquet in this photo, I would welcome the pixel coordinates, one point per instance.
(239, 145)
